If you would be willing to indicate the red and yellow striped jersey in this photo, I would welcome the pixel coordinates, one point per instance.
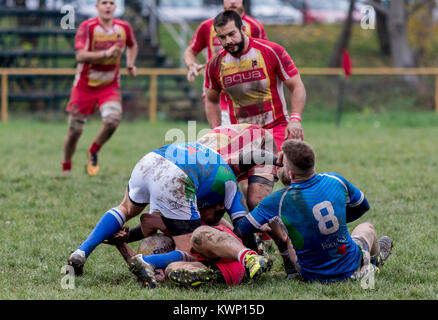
(252, 82)
(92, 36)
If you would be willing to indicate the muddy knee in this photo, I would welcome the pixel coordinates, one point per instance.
(202, 236)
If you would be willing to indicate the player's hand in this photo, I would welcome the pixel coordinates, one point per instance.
(132, 70)
(119, 237)
(194, 71)
(265, 228)
(116, 50)
(294, 130)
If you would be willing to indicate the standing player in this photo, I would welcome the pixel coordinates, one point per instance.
(252, 72)
(172, 180)
(316, 209)
(99, 44)
(205, 37)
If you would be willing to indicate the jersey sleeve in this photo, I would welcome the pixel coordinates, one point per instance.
(211, 81)
(267, 209)
(355, 196)
(82, 37)
(234, 201)
(130, 37)
(200, 38)
(285, 66)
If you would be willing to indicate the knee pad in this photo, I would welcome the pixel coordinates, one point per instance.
(76, 124)
(111, 111)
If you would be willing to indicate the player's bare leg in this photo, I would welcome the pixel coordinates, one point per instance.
(110, 223)
(379, 249)
(76, 124)
(111, 116)
(213, 243)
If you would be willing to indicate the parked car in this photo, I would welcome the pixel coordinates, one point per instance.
(88, 8)
(274, 12)
(174, 11)
(327, 11)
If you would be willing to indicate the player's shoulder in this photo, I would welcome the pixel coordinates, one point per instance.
(334, 177)
(267, 46)
(89, 22)
(251, 20)
(216, 60)
(207, 23)
(122, 22)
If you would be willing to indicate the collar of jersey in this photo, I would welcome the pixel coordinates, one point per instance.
(306, 183)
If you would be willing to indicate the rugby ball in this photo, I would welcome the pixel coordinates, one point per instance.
(155, 244)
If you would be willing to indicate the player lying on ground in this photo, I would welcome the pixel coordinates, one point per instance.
(256, 181)
(316, 208)
(172, 179)
(217, 253)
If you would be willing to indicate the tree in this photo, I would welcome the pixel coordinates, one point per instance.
(344, 39)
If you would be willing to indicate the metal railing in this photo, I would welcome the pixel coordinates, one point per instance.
(153, 74)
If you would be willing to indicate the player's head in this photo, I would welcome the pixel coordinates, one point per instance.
(230, 31)
(298, 159)
(236, 5)
(211, 215)
(105, 9)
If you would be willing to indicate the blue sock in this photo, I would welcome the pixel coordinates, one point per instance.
(109, 224)
(161, 260)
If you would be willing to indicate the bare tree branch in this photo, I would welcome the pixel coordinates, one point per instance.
(377, 6)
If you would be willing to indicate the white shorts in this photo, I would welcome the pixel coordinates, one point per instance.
(168, 189)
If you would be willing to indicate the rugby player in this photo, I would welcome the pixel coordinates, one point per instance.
(256, 182)
(205, 37)
(252, 72)
(99, 45)
(316, 208)
(172, 180)
(212, 257)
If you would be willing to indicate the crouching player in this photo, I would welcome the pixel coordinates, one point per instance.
(315, 209)
(172, 179)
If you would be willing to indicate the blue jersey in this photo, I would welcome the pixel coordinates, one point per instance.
(209, 177)
(314, 213)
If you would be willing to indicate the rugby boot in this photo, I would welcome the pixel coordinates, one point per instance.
(385, 248)
(92, 166)
(193, 278)
(255, 265)
(144, 271)
(77, 261)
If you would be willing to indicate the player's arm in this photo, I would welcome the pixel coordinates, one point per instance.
(212, 107)
(131, 52)
(357, 204)
(96, 56)
(192, 65)
(297, 100)
(355, 212)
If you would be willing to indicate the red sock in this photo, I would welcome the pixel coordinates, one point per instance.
(243, 253)
(66, 166)
(94, 148)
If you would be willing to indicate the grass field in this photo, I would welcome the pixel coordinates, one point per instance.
(393, 158)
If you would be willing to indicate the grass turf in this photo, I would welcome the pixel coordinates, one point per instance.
(44, 215)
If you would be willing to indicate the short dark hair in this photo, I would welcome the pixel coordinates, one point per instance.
(225, 16)
(299, 156)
